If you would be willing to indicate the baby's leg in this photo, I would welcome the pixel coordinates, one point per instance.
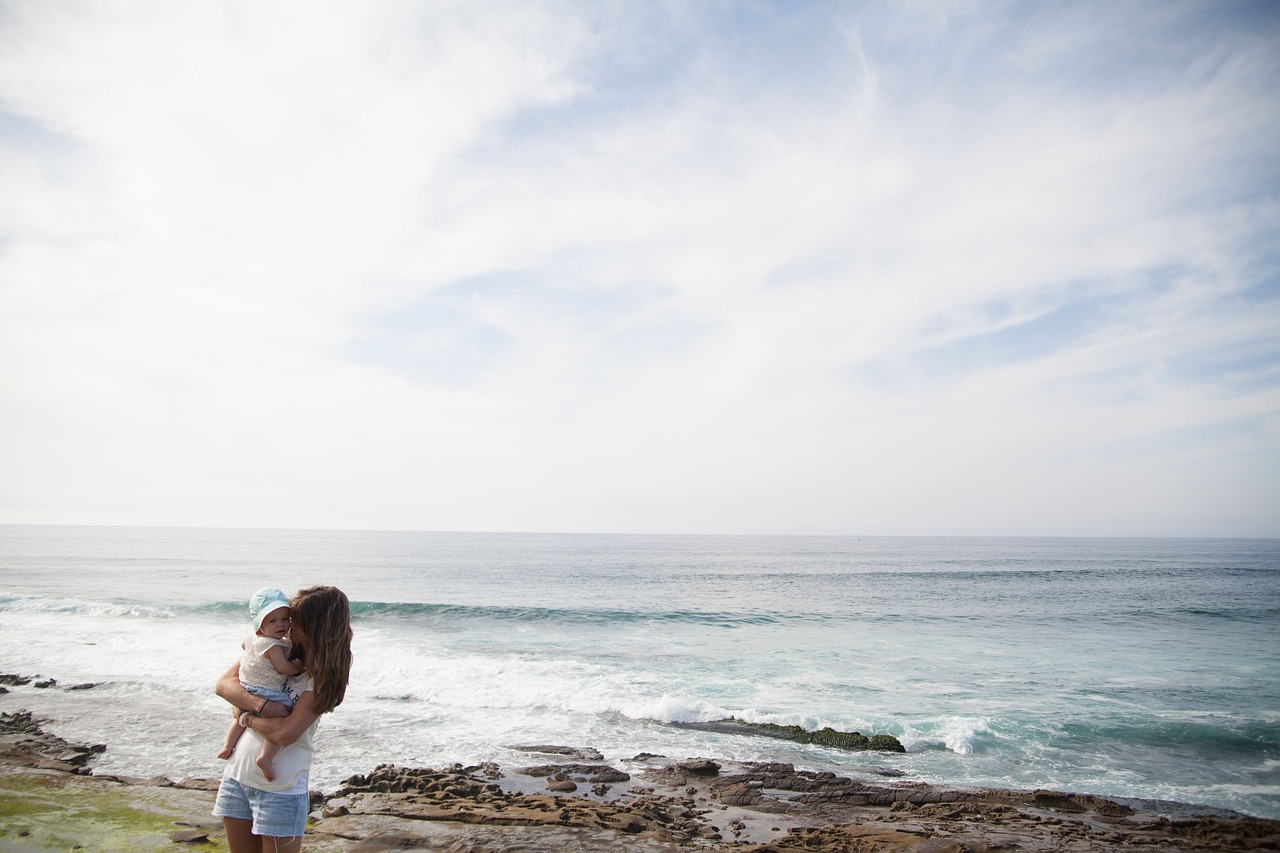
(233, 735)
(265, 757)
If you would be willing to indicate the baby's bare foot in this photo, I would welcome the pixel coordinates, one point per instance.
(265, 766)
(226, 752)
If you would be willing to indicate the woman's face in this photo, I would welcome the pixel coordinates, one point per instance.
(296, 634)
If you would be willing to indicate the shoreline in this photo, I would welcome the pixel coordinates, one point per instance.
(566, 798)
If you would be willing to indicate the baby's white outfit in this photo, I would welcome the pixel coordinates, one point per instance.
(257, 675)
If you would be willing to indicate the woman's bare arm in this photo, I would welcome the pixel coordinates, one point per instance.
(285, 731)
(229, 688)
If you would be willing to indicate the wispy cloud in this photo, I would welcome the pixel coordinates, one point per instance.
(962, 268)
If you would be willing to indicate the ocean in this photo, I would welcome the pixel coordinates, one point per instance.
(1129, 668)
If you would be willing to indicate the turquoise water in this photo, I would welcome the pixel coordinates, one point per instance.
(1132, 668)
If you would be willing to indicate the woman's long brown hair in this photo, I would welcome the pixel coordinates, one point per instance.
(324, 615)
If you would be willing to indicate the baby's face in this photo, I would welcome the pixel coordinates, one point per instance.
(276, 624)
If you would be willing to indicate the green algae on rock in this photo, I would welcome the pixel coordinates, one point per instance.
(57, 810)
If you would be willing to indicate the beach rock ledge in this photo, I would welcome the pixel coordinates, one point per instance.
(653, 805)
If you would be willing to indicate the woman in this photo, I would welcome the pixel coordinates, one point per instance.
(270, 816)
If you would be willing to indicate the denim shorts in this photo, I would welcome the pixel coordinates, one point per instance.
(280, 696)
(273, 814)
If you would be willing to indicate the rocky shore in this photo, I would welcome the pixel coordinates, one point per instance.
(568, 798)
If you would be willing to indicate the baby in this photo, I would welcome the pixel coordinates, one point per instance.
(264, 666)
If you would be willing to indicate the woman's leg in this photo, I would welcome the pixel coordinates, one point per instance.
(240, 837)
(281, 845)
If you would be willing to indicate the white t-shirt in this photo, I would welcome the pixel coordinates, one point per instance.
(291, 765)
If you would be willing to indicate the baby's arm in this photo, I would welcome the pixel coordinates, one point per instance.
(284, 666)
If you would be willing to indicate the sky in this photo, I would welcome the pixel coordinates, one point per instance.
(802, 267)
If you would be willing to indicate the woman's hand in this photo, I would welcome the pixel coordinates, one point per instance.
(286, 731)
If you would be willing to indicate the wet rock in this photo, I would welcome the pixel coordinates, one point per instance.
(24, 741)
(590, 773)
(562, 785)
(489, 770)
(888, 772)
(699, 767)
(825, 736)
(582, 753)
(390, 779)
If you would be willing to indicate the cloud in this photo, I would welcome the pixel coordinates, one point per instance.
(563, 266)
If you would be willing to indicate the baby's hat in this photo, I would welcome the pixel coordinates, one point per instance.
(263, 602)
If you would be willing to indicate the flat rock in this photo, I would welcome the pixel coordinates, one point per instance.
(582, 753)
(187, 836)
(24, 741)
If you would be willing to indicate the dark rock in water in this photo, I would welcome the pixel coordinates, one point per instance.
(888, 772)
(23, 741)
(699, 767)
(388, 778)
(823, 737)
(886, 743)
(488, 770)
(10, 680)
(582, 753)
(582, 772)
